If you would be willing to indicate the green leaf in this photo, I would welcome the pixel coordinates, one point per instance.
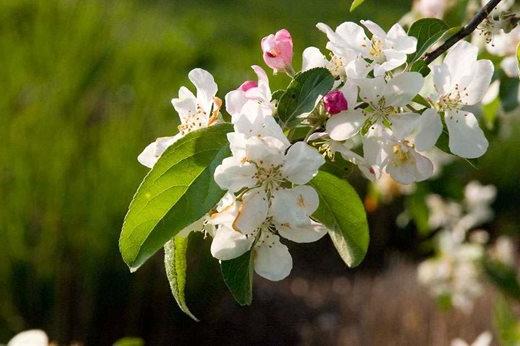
(238, 276)
(506, 324)
(490, 112)
(355, 4)
(420, 66)
(503, 276)
(175, 252)
(129, 341)
(427, 31)
(302, 93)
(508, 93)
(275, 95)
(342, 212)
(178, 191)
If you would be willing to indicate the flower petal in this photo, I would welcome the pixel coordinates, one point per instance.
(253, 211)
(466, 137)
(272, 258)
(479, 84)
(228, 243)
(345, 125)
(206, 87)
(306, 233)
(301, 163)
(150, 155)
(402, 88)
(234, 175)
(312, 58)
(428, 128)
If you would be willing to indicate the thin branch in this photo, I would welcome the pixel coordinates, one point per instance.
(463, 32)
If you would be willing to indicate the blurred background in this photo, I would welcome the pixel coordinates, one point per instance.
(86, 85)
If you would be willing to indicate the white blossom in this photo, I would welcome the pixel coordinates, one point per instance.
(195, 112)
(32, 337)
(382, 52)
(462, 80)
(483, 339)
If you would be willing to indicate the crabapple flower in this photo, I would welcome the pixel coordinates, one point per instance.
(335, 102)
(195, 112)
(381, 53)
(454, 273)
(504, 45)
(250, 91)
(32, 337)
(462, 80)
(483, 339)
(430, 8)
(278, 50)
(262, 168)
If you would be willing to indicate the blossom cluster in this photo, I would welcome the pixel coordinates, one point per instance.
(454, 273)
(379, 115)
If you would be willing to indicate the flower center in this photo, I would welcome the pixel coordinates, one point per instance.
(452, 100)
(194, 121)
(376, 49)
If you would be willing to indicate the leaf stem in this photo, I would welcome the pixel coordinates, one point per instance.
(463, 32)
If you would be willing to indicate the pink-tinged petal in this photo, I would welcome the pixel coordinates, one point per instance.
(248, 84)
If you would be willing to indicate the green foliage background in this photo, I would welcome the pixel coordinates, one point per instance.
(84, 86)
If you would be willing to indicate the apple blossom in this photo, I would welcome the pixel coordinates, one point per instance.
(504, 45)
(483, 339)
(457, 85)
(194, 112)
(250, 91)
(278, 50)
(32, 337)
(383, 52)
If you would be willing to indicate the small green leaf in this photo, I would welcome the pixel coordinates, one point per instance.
(490, 112)
(175, 265)
(129, 341)
(420, 66)
(178, 191)
(342, 212)
(356, 4)
(503, 276)
(508, 93)
(427, 31)
(302, 93)
(238, 276)
(275, 95)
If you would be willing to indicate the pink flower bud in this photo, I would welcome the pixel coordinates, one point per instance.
(248, 84)
(335, 102)
(278, 50)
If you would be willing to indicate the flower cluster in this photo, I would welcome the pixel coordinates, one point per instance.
(454, 273)
(378, 107)
(378, 114)
(267, 196)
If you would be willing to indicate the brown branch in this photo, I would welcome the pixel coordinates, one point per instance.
(463, 32)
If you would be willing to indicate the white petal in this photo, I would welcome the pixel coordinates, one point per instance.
(427, 130)
(228, 244)
(350, 91)
(479, 84)
(394, 59)
(345, 125)
(265, 149)
(33, 337)
(306, 233)
(253, 211)
(294, 205)
(153, 151)
(510, 66)
(400, 41)
(441, 79)
(374, 28)
(233, 175)
(461, 59)
(372, 89)
(237, 144)
(263, 83)
(466, 138)
(206, 87)
(184, 107)
(312, 58)
(235, 100)
(301, 163)
(403, 88)
(272, 258)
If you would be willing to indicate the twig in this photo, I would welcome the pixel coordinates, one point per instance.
(463, 32)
